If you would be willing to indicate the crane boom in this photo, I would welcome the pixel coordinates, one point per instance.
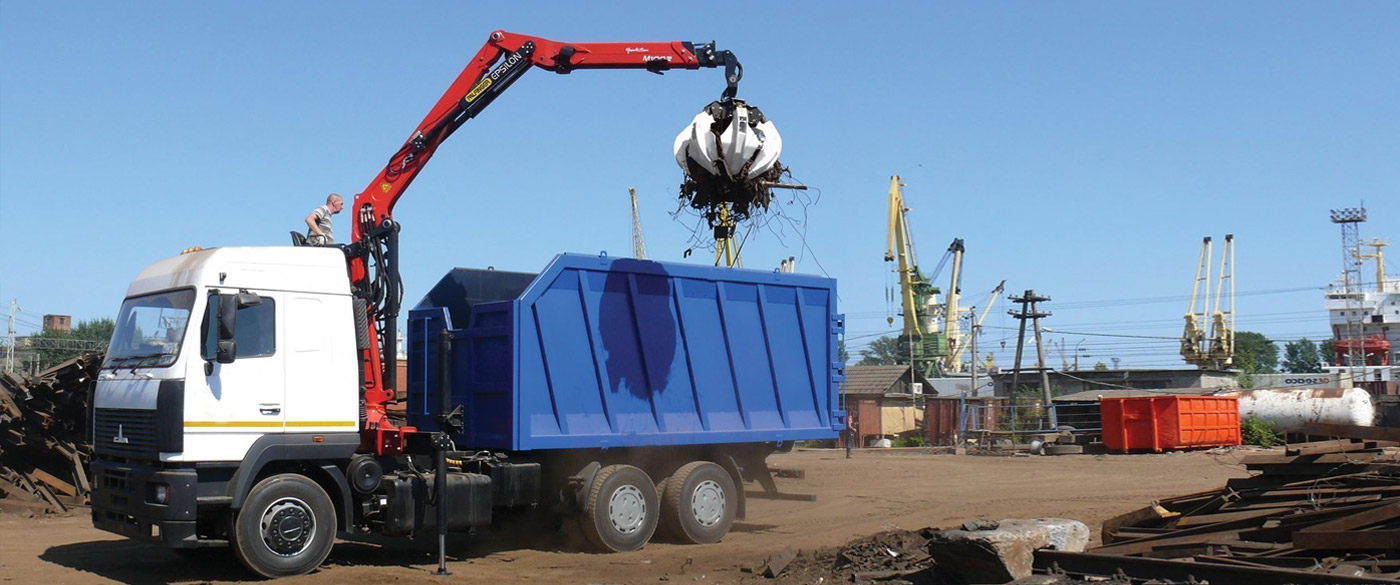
(899, 247)
(639, 246)
(373, 249)
(952, 328)
(1194, 333)
(956, 350)
(1208, 340)
(1222, 322)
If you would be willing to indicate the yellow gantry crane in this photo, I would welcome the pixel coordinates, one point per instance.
(1208, 340)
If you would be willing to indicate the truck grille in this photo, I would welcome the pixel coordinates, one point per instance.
(125, 432)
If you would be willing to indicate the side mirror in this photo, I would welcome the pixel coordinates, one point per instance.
(226, 349)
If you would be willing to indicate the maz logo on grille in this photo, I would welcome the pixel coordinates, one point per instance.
(120, 438)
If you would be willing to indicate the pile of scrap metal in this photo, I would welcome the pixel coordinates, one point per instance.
(44, 447)
(1322, 512)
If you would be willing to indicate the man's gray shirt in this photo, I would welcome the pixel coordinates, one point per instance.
(323, 222)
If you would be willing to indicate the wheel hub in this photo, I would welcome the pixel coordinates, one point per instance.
(287, 526)
(707, 503)
(627, 509)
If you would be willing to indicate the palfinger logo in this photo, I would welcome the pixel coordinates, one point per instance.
(478, 90)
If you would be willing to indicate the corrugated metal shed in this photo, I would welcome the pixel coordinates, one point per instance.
(941, 417)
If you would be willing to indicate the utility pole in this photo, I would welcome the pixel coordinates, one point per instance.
(10, 338)
(973, 342)
(962, 406)
(1028, 302)
(1020, 345)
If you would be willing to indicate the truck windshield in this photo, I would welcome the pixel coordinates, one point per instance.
(150, 329)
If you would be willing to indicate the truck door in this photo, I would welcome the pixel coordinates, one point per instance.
(322, 379)
(231, 405)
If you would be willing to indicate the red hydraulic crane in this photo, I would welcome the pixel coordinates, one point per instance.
(373, 248)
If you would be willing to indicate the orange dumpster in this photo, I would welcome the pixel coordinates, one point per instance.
(1161, 423)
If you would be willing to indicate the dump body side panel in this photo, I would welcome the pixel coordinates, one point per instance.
(599, 352)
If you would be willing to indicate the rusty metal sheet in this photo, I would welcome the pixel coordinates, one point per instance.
(1097, 565)
(1352, 431)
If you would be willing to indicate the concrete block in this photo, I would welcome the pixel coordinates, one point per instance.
(1005, 553)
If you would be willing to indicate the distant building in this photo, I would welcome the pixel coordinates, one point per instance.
(884, 401)
(1074, 382)
(954, 386)
(59, 323)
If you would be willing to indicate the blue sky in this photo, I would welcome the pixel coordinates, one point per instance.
(1080, 149)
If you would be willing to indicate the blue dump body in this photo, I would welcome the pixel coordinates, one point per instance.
(598, 352)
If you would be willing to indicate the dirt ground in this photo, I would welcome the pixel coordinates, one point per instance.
(872, 492)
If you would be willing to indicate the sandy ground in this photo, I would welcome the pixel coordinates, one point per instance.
(874, 491)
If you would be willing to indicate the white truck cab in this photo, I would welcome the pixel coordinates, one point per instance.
(191, 403)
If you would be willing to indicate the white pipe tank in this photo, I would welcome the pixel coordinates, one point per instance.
(1290, 408)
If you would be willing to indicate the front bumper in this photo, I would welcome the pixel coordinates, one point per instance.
(123, 502)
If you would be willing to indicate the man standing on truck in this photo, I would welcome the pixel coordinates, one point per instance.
(318, 222)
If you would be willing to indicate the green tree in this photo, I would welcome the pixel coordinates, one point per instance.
(1327, 352)
(1301, 357)
(884, 351)
(54, 346)
(1255, 353)
(1100, 366)
(842, 355)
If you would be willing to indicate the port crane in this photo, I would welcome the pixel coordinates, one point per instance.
(956, 345)
(1208, 339)
(932, 332)
(917, 295)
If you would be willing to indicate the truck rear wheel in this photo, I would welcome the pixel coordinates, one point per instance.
(697, 503)
(620, 512)
(286, 527)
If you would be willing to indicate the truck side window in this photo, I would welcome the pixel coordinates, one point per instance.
(255, 329)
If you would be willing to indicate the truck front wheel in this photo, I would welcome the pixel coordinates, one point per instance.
(697, 504)
(620, 512)
(286, 527)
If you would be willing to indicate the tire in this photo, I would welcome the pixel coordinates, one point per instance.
(286, 527)
(1063, 450)
(698, 503)
(620, 513)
